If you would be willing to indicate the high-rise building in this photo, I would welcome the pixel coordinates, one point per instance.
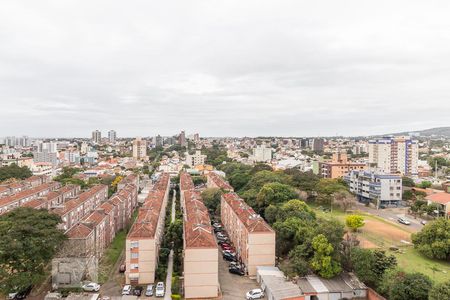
(158, 141)
(140, 149)
(96, 136)
(196, 138)
(317, 145)
(182, 139)
(394, 155)
(262, 154)
(112, 136)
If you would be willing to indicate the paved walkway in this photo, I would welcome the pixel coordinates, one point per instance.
(168, 294)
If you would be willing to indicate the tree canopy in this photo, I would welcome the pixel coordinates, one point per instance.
(14, 171)
(29, 240)
(397, 285)
(354, 222)
(434, 239)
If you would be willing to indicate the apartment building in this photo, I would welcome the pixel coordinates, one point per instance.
(145, 236)
(140, 149)
(21, 198)
(213, 180)
(381, 189)
(54, 198)
(74, 210)
(195, 159)
(262, 154)
(393, 155)
(252, 237)
(200, 252)
(339, 166)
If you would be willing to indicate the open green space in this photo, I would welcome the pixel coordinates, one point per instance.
(112, 254)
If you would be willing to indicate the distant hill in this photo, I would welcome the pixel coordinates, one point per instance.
(438, 131)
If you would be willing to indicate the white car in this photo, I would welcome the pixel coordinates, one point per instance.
(159, 291)
(254, 294)
(91, 287)
(126, 290)
(404, 221)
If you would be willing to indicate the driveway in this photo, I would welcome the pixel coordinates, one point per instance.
(234, 286)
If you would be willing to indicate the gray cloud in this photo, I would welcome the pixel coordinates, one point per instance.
(230, 68)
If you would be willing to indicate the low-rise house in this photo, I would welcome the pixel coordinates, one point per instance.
(252, 237)
(339, 166)
(442, 200)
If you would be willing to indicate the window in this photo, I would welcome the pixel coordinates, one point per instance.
(134, 255)
(134, 244)
(134, 266)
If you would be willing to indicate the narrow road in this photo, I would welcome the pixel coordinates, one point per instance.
(168, 294)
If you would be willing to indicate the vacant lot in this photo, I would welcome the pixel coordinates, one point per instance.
(382, 234)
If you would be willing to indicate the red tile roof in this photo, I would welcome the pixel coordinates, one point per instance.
(198, 231)
(220, 182)
(79, 231)
(441, 198)
(28, 193)
(249, 218)
(148, 215)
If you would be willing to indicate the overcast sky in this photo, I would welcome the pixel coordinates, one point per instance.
(223, 68)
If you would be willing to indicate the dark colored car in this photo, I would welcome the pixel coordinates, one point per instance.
(222, 239)
(122, 268)
(21, 295)
(137, 291)
(236, 270)
(228, 256)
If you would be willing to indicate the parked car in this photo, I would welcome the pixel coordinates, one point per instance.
(137, 291)
(404, 221)
(159, 292)
(216, 230)
(222, 239)
(20, 295)
(91, 287)
(227, 247)
(224, 244)
(217, 225)
(254, 294)
(122, 268)
(126, 290)
(228, 256)
(236, 270)
(149, 290)
(423, 222)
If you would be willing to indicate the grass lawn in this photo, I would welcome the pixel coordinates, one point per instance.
(409, 259)
(111, 256)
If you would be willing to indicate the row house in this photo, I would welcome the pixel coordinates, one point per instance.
(200, 252)
(74, 210)
(252, 237)
(213, 180)
(12, 188)
(19, 199)
(145, 236)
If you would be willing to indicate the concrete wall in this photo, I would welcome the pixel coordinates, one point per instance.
(261, 247)
(147, 260)
(201, 279)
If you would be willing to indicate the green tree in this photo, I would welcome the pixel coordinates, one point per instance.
(14, 171)
(397, 285)
(370, 265)
(295, 208)
(406, 181)
(344, 199)
(425, 184)
(354, 222)
(408, 195)
(323, 262)
(260, 167)
(326, 187)
(305, 181)
(29, 240)
(259, 179)
(434, 239)
(275, 193)
(440, 291)
(211, 198)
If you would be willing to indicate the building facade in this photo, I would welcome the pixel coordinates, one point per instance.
(395, 155)
(96, 136)
(140, 149)
(339, 166)
(262, 154)
(195, 159)
(381, 189)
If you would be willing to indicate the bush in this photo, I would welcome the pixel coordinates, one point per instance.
(433, 240)
(176, 297)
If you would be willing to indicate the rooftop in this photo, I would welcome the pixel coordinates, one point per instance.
(220, 182)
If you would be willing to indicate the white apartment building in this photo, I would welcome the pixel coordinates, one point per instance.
(96, 136)
(381, 189)
(112, 136)
(262, 154)
(395, 155)
(139, 149)
(195, 159)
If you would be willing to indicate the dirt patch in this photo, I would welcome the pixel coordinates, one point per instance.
(366, 244)
(386, 231)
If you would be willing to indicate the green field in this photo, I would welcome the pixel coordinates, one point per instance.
(409, 259)
(111, 256)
